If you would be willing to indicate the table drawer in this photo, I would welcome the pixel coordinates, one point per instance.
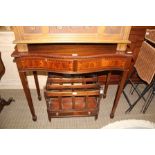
(51, 64)
(76, 65)
(97, 64)
(73, 114)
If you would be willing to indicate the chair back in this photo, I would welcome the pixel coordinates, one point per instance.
(145, 63)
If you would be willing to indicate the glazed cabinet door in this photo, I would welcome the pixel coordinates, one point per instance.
(29, 34)
(86, 34)
(118, 34)
(71, 34)
(90, 34)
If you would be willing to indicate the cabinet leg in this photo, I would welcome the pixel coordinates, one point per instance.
(119, 92)
(24, 81)
(37, 84)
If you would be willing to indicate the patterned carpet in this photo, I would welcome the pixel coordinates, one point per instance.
(17, 114)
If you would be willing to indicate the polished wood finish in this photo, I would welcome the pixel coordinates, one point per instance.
(119, 92)
(71, 97)
(72, 59)
(71, 34)
(89, 58)
(37, 84)
(136, 37)
(107, 84)
(24, 81)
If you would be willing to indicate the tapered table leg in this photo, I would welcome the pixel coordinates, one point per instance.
(37, 84)
(119, 92)
(24, 81)
(106, 84)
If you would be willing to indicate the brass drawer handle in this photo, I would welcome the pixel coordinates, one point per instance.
(89, 113)
(74, 54)
(74, 93)
(147, 33)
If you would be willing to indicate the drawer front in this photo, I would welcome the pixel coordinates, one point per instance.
(73, 114)
(73, 65)
(98, 64)
(57, 65)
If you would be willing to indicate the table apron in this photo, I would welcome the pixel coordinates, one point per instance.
(72, 66)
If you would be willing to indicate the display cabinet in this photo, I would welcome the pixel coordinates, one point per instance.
(71, 34)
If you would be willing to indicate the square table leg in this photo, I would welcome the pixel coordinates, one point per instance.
(118, 93)
(24, 81)
(37, 84)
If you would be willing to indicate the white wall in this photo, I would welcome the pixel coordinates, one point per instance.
(11, 79)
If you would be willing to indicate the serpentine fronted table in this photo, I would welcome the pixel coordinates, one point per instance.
(71, 59)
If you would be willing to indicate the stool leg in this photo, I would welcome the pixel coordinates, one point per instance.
(149, 99)
(148, 103)
(128, 101)
(142, 94)
(127, 81)
(133, 89)
(136, 90)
